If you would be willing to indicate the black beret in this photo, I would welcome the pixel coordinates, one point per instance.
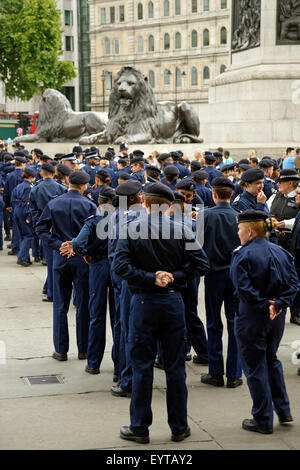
(244, 166)
(218, 154)
(123, 146)
(228, 166)
(94, 149)
(160, 190)
(186, 160)
(19, 153)
(108, 155)
(111, 150)
(44, 158)
(175, 155)
(129, 188)
(210, 158)
(207, 152)
(171, 170)
(58, 156)
(195, 165)
(186, 183)
(7, 157)
(106, 191)
(48, 167)
(79, 177)
(163, 156)
(30, 171)
(20, 159)
(178, 196)
(200, 174)
(38, 151)
(104, 173)
(289, 174)
(153, 168)
(122, 161)
(253, 174)
(244, 160)
(54, 163)
(64, 169)
(221, 181)
(266, 163)
(252, 215)
(136, 160)
(137, 153)
(124, 176)
(77, 150)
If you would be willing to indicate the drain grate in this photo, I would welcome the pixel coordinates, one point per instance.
(43, 379)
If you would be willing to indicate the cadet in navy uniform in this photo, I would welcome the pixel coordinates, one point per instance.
(200, 177)
(266, 283)
(93, 248)
(48, 188)
(252, 196)
(220, 239)
(156, 269)
(62, 220)
(210, 169)
(187, 187)
(22, 214)
(102, 178)
(137, 168)
(92, 165)
(267, 165)
(171, 175)
(183, 171)
(294, 248)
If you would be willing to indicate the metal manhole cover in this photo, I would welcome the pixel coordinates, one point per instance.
(43, 379)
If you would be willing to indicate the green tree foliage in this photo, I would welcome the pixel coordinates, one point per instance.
(30, 46)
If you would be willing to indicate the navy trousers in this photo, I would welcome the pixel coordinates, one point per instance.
(258, 340)
(48, 254)
(25, 233)
(65, 272)
(98, 285)
(125, 363)
(157, 317)
(15, 239)
(219, 289)
(116, 283)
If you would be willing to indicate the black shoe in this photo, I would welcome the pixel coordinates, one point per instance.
(249, 425)
(23, 263)
(47, 299)
(216, 380)
(7, 238)
(37, 260)
(44, 262)
(198, 360)
(295, 320)
(82, 356)
(233, 383)
(12, 253)
(181, 437)
(125, 433)
(44, 291)
(188, 357)
(117, 391)
(115, 379)
(8, 246)
(285, 418)
(92, 370)
(158, 364)
(1, 248)
(60, 356)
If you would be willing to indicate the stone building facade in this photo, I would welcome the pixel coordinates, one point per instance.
(180, 45)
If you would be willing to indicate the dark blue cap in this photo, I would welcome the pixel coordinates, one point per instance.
(210, 158)
(253, 174)
(129, 188)
(221, 181)
(30, 171)
(79, 177)
(251, 215)
(200, 175)
(48, 167)
(171, 170)
(188, 184)
(159, 190)
(106, 191)
(64, 169)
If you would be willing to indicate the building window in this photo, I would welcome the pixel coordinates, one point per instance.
(177, 41)
(102, 15)
(178, 77)
(140, 11)
(205, 5)
(223, 35)
(223, 68)
(166, 8)
(151, 43)
(167, 41)
(108, 80)
(150, 10)
(194, 76)
(206, 37)
(106, 46)
(117, 46)
(68, 18)
(112, 14)
(177, 7)
(206, 76)
(69, 92)
(140, 44)
(121, 13)
(69, 42)
(194, 38)
(223, 4)
(167, 80)
(152, 78)
(194, 6)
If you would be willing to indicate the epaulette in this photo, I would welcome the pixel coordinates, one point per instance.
(237, 249)
(90, 217)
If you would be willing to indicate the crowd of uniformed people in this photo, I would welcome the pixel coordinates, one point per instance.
(98, 221)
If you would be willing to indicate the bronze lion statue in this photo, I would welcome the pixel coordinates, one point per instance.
(135, 116)
(59, 123)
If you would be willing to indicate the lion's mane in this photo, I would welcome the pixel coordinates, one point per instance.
(140, 116)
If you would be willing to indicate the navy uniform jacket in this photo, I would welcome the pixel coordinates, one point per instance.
(137, 260)
(205, 194)
(65, 216)
(170, 185)
(13, 179)
(262, 271)
(183, 170)
(42, 193)
(139, 175)
(87, 241)
(212, 173)
(247, 201)
(91, 170)
(6, 168)
(268, 187)
(1, 195)
(20, 197)
(220, 235)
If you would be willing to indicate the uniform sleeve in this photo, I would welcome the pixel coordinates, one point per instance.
(80, 243)
(241, 281)
(290, 289)
(33, 207)
(43, 229)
